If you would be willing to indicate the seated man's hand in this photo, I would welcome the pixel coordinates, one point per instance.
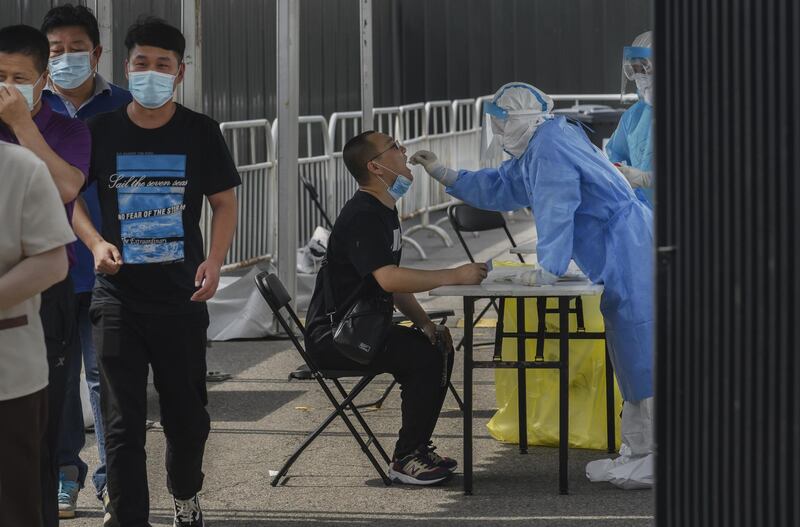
(443, 332)
(430, 162)
(107, 259)
(429, 330)
(471, 273)
(435, 332)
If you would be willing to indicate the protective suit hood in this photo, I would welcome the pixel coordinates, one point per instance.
(637, 67)
(516, 111)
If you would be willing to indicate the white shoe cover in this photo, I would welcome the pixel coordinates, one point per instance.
(623, 472)
(635, 467)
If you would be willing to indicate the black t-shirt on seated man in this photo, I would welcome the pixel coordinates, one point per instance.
(365, 237)
(151, 184)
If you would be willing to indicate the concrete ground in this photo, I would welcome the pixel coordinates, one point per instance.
(258, 418)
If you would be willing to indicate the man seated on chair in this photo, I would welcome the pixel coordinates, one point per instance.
(365, 245)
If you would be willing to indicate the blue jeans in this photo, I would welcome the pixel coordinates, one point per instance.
(72, 437)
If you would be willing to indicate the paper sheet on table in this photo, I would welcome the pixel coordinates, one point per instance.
(520, 273)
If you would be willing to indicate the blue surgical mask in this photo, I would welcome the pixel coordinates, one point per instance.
(70, 70)
(399, 187)
(151, 89)
(27, 91)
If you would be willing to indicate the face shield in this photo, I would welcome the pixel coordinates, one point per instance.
(509, 131)
(637, 67)
(490, 150)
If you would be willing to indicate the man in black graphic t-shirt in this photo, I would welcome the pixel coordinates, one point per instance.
(364, 252)
(155, 162)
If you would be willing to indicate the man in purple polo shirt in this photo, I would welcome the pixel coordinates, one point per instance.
(65, 146)
(76, 89)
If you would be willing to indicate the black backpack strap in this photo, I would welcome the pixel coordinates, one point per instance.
(330, 302)
(330, 305)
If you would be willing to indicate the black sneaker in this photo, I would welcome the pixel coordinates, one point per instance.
(440, 461)
(417, 469)
(188, 513)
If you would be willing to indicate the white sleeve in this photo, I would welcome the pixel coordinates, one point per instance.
(44, 219)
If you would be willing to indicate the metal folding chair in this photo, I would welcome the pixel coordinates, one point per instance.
(278, 299)
(464, 218)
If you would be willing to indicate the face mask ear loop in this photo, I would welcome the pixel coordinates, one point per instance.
(384, 182)
(386, 168)
(97, 65)
(379, 177)
(34, 103)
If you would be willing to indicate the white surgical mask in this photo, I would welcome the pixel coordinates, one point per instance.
(70, 70)
(27, 91)
(514, 133)
(151, 89)
(644, 84)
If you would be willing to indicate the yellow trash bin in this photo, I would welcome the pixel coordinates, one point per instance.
(587, 383)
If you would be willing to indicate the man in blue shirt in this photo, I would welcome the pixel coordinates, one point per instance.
(77, 90)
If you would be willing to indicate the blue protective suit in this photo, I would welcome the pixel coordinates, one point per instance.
(586, 211)
(632, 142)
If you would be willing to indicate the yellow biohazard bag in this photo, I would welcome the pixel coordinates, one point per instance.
(587, 383)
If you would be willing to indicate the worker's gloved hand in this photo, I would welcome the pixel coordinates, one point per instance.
(432, 165)
(538, 277)
(637, 178)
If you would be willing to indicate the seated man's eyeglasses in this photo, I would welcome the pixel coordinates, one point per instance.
(395, 144)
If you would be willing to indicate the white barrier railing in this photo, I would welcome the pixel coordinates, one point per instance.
(452, 129)
(435, 134)
(315, 167)
(596, 97)
(253, 151)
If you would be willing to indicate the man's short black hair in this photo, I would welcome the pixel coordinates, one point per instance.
(28, 41)
(69, 15)
(153, 31)
(357, 153)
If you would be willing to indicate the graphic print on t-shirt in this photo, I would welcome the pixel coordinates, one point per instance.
(150, 190)
(397, 240)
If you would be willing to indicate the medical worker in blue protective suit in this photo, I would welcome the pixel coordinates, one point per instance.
(585, 210)
(631, 145)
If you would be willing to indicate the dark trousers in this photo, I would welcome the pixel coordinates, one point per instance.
(417, 365)
(24, 420)
(61, 337)
(175, 347)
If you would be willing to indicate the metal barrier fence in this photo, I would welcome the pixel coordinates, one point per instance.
(314, 165)
(452, 129)
(252, 147)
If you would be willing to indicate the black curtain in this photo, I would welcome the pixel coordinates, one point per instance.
(728, 400)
